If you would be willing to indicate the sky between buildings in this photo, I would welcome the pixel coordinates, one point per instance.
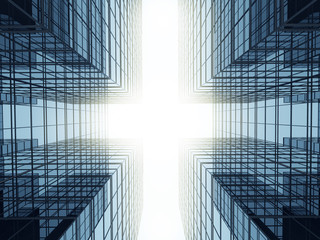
(160, 121)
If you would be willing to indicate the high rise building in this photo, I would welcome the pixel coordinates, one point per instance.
(61, 62)
(258, 63)
(233, 189)
(76, 189)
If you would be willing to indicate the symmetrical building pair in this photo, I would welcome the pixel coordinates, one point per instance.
(258, 62)
(61, 62)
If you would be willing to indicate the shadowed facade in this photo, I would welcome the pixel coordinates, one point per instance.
(258, 63)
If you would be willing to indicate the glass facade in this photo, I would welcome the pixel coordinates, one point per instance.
(75, 191)
(234, 188)
(61, 62)
(92, 48)
(195, 50)
(115, 210)
(258, 63)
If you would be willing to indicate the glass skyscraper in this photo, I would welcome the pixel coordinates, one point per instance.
(80, 189)
(258, 63)
(61, 62)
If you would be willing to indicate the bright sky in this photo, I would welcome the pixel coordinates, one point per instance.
(160, 121)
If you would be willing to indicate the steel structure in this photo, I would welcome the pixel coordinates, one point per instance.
(61, 62)
(70, 51)
(232, 50)
(76, 189)
(234, 189)
(258, 62)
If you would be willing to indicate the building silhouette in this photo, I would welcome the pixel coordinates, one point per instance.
(61, 62)
(258, 63)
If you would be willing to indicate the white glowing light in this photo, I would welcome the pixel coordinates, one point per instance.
(160, 121)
